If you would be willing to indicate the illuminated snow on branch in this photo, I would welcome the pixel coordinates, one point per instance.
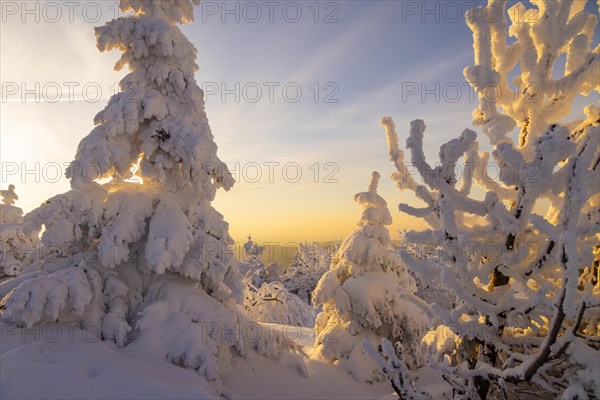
(529, 311)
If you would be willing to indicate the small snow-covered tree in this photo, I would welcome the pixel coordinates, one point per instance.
(526, 281)
(265, 298)
(308, 265)
(368, 294)
(251, 257)
(253, 269)
(272, 302)
(9, 196)
(17, 249)
(149, 260)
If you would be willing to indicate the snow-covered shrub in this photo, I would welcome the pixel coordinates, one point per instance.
(17, 249)
(368, 294)
(265, 298)
(254, 269)
(272, 302)
(526, 281)
(147, 260)
(274, 271)
(308, 265)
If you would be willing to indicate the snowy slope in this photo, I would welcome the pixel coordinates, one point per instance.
(75, 366)
(262, 378)
(78, 367)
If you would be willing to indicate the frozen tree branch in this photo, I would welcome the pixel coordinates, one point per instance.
(532, 292)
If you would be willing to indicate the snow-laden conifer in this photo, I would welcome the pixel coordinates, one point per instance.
(17, 249)
(145, 256)
(368, 294)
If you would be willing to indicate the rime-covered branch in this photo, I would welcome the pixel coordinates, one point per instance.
(523, 261)
(394, 369)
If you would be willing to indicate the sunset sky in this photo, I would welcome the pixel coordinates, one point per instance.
(354, 61)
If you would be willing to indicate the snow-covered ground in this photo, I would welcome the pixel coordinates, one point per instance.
(64, 362)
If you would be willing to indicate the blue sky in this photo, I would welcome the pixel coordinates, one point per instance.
(368, 55)
(365, 62)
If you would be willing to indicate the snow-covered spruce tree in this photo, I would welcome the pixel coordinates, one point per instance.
(252, 254)
(253, 269)
(526, 281)
(17, 249)
(149, 261)
(308, 265)
(368, 294)
(251, 264)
